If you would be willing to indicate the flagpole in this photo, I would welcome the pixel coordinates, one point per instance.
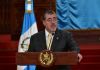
(27, 67)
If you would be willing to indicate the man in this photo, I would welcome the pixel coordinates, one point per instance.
(61, 41)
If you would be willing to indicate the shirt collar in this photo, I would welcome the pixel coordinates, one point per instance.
(46, 32)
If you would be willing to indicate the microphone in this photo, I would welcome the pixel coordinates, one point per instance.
(53, 34)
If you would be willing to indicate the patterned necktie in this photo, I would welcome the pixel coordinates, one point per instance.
(49, 41)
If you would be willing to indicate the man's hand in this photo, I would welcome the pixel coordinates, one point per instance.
(80, 57)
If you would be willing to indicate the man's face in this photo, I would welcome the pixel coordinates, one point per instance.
(50, 22)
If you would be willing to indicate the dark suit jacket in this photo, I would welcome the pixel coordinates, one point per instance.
(62, 42)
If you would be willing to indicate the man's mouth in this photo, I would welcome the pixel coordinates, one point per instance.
(53, 25)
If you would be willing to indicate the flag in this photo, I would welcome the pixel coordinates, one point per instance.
(29, 28)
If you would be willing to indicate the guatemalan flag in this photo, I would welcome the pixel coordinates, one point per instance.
(29, 28)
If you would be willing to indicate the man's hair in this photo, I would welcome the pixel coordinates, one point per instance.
(47, 11)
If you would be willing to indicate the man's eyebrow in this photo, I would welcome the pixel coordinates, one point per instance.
(54, 17)
(49, 18)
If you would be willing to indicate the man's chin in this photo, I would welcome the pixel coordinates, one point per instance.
(53, 30)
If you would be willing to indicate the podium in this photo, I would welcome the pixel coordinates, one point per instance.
(60, 58)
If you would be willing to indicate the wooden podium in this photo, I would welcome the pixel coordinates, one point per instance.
(60, 58)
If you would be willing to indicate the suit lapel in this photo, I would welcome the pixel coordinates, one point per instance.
(42, 40)
(56, 40)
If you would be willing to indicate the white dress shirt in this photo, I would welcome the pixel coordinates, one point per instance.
(48, 43)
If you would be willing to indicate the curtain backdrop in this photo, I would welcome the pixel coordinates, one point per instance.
(78, 14)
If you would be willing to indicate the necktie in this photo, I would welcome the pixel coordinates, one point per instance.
(49, 41)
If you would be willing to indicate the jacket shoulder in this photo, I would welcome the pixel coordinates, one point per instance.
(38, 34)
(64, 32)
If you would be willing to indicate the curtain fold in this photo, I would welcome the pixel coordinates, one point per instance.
(78, 14)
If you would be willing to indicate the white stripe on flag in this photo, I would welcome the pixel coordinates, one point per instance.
(32, 30)
(19, 67)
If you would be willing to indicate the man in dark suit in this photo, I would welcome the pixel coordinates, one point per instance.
(61, 41)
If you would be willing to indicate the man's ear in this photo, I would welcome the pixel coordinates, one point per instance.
(44, 23)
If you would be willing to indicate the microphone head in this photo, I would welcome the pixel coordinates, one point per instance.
(53, 33)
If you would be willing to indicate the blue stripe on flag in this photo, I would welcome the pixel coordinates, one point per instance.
(28, 18)
(30, 67)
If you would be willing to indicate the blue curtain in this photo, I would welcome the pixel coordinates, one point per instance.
(78, 14)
